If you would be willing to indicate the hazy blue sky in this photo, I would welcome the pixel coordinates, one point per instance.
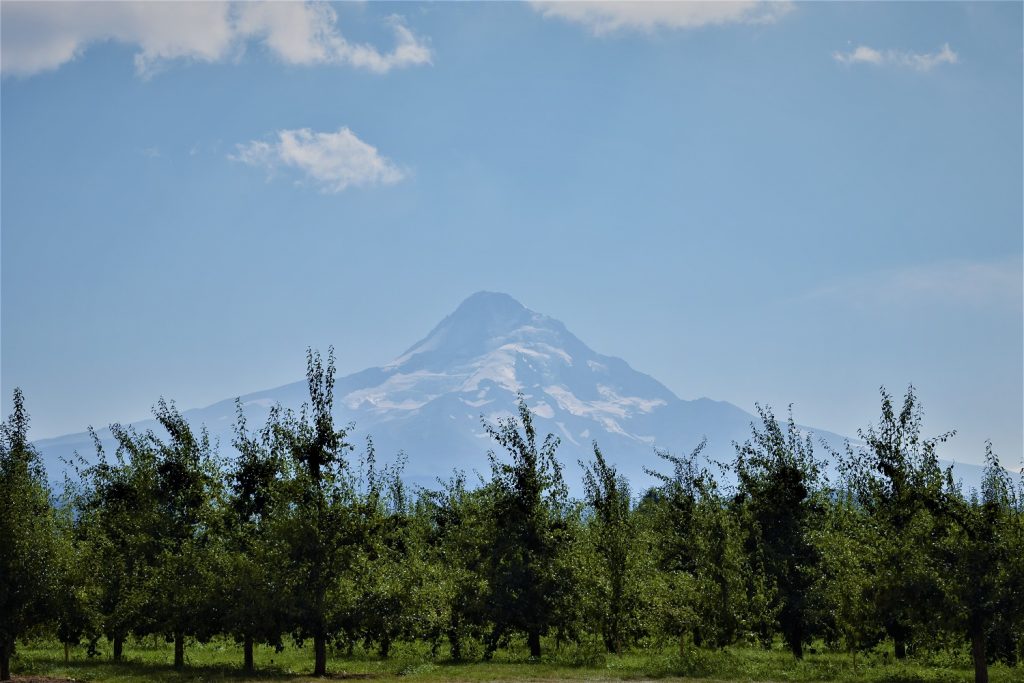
(783, 203)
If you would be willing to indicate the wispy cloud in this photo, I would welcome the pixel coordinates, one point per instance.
(42, 36)
(332, 161)
(641, 15)
(978, 284)
(862, 54)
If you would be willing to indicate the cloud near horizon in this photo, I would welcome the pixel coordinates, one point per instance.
(332, 161)
(863, 54)
(603, 18)
(43, 36)
(977, 284)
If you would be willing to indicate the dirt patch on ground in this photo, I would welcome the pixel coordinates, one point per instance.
(42, 679)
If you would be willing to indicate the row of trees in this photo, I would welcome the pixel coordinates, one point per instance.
(297, 536)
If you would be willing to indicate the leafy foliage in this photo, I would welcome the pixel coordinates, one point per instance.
(29, 557)
(897, 480)
(529, 581)
(778, 503)
(296, 539)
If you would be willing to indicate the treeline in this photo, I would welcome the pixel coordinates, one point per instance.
(299, 537)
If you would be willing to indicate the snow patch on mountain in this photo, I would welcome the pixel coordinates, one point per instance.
(610, 403)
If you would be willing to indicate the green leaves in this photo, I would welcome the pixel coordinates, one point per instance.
(700, 587)
(294, 535)
(778, 499)
(529, 584)
(30, 557)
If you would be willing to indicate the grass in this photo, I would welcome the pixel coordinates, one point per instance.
(220, 660)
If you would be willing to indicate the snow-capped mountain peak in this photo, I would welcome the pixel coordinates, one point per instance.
(492, 348)
(483, 323)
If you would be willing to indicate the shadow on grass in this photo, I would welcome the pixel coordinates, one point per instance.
(40, 669)
(580, 662)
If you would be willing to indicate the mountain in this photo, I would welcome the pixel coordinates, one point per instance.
(429, 401)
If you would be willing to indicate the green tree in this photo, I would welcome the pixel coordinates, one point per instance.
(116, 513)
(612, 531)
(897, 480)
(700, 587)
(186, 493)
(319, 525)
(460, 528)
(76, 616)
(529, 508)
(387, 577)
(985, 581)
(778, 482)
(29, 576)
(252, 592)
(849, 546)
(148, 524)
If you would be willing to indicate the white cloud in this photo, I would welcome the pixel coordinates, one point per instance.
(332, 161)
(42, 36)
(643, 15)
(863, 54)
(978, 284)
(306, 33)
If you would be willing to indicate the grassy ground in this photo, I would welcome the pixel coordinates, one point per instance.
(220, 660)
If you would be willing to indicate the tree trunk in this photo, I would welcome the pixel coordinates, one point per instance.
(247, 664)
(179, 650)
(67, 654)
(385, 647)
(5, 661)
(533, 640)
(979, 655)
(319, 655)
(798, 649)
(491, 643)
(456, 645)
(900, 646)
(118, 647)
